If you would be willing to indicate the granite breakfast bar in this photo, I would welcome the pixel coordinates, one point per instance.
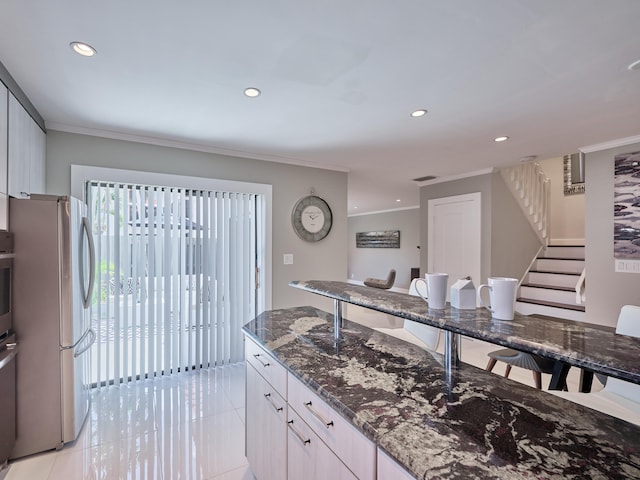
(470, 425)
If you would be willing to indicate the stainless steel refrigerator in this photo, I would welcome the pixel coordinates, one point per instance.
(53, 282)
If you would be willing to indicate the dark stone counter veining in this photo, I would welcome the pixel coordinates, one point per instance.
(575, 343)
(477, 426)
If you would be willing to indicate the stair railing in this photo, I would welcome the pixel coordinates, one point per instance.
(531, 189)
(581, 295)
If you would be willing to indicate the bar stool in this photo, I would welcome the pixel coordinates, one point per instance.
(538, 365)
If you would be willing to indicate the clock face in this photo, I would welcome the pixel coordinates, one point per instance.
(311, 218)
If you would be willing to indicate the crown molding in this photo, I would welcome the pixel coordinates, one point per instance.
(161, 142)
(413, 207)
(621, 142)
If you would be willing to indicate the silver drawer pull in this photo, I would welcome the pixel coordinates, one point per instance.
(257, 355)
(275, 407)
(297, 434)
(315, 413)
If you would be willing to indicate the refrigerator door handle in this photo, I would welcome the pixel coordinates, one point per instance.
(80, 340)
(88, 345)
(86, 296)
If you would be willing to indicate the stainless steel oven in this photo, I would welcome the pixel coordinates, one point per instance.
(6, 276)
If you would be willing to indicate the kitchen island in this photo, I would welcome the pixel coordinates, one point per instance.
(465, 423)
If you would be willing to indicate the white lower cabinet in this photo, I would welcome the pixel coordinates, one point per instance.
(308, 457)
(389, 469)
(266, 428)
(293, 434)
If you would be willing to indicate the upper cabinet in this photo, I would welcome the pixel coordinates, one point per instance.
(3, 138)
(26, 148)
(4, 210)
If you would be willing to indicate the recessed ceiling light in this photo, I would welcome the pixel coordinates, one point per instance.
(418, 113)
(83, 49)
(398, 200)
(500, 139)
(251, 92)
(634, 66)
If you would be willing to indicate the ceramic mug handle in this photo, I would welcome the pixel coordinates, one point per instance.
(480, 299)
(426, 289)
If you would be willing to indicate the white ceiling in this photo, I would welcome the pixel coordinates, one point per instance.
(339, 79)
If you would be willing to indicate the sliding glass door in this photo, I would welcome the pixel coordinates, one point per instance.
(176, 278)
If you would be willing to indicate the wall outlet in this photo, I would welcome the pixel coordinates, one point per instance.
(288, 259)
(628, 266)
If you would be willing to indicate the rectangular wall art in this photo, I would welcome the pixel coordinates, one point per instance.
(386, 239)
(626, 229)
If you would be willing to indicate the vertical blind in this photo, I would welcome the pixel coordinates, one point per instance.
(175, 278)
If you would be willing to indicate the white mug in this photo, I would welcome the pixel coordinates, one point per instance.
(436, 288)
(502, 297)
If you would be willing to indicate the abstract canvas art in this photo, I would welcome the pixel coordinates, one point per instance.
(626, 229)
(385, 239)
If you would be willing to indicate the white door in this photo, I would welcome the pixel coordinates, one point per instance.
(454, 237)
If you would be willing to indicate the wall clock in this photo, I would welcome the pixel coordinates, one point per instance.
(311, 218)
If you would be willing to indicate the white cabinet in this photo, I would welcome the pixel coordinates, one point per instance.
(389, 469)
(4, 105)
(266, 417)
(308, 457)
(26, 152)
(355, 450)
(292, 433)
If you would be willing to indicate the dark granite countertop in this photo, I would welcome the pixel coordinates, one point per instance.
(575, 343)
(478, 425)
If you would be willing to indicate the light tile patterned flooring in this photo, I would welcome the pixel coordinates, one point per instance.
(189, 426)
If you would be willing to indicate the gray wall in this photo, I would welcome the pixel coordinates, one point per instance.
(376, 262)
(567, 211)
(606, 290)
(479, 183)
(326, 259)
(508, 241)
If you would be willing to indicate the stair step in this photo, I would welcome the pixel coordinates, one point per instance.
(548, 295)
(552, 279)
(555, 265)
(564, 251)
(577, 308)
(549, 287)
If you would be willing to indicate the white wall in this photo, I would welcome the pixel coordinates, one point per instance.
(567, 211)
(326, 260)
(606, 290)
(376, 262)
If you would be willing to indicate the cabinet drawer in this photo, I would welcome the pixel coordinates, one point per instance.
(308, 457)
(267, 366)
(356, 451)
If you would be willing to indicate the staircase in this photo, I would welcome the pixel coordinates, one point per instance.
(549, 287)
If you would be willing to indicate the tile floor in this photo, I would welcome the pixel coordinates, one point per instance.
(188, 426)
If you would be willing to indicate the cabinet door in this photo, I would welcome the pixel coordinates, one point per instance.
(389, 469)
(266, 428)
(4, 127)
(308, 457)
(37, 157)
(19, 149)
